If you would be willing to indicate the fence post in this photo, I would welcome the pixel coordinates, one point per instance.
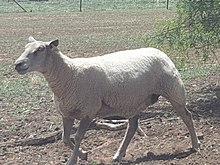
(80, 5)
(167, 4)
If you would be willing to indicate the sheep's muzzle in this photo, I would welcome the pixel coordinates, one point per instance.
(21, 67)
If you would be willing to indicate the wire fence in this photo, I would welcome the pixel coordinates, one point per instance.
(13, 6)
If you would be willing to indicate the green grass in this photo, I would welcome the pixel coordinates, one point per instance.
(88, 5)
(200, 71)
(17, 91)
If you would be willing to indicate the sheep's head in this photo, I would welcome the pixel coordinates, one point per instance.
(35, 55)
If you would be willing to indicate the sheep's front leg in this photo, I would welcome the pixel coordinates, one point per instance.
(84, 123)
(67, 127)
(131, 129)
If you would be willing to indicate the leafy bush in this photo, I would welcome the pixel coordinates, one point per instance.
(195, 29)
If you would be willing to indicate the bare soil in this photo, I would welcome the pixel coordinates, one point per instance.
(167, 140)
(24, 142)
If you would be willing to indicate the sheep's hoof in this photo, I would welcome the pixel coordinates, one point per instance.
(196, 147)
(118, 157)
(192, 150)
(68, 162)
(83, 155)
(71, 162)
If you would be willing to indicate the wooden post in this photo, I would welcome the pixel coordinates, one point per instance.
(167, 4)
(20, 6)
(80, 5)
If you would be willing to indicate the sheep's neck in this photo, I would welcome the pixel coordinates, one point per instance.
(58, 74)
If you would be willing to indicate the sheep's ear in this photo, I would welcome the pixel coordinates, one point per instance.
(31, 39)
(54, 43)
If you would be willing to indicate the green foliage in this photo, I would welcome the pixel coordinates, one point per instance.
(195, 29)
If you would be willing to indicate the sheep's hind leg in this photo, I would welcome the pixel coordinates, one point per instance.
(186, 116)
(67, 127)
(131, 129)
(84, 123)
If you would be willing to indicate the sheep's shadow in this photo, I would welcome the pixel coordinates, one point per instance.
(167, 156)
(206, 105)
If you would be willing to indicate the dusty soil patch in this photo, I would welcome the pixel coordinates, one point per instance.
(167, 140)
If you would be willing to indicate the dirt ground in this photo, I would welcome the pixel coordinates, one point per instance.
(167, 141)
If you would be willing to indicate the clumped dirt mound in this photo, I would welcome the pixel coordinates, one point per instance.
(167, 139)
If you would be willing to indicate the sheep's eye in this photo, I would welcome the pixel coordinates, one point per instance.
(41, 48)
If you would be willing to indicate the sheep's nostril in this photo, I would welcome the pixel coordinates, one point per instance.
(21, 66)
(18, 65)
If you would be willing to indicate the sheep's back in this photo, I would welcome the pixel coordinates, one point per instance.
(128, 78)
(136, 65)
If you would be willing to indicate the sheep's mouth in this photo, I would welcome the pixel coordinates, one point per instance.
(22, 70)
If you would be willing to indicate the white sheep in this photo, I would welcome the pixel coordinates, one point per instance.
(117, 84)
